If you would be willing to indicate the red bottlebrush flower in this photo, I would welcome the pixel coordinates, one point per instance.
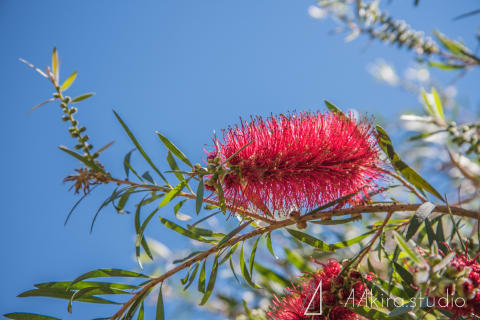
(298, 161)
(335, 296)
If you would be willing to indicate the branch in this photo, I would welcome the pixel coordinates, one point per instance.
(312, 215)
(240, 210)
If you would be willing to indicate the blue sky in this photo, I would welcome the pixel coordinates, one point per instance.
(184, 68)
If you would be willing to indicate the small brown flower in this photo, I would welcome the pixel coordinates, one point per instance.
(85, 178)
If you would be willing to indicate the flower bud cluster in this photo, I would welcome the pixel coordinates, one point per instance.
(466, 134)
(454, 284)
(76, 131)
(302, 302)
(400, 33)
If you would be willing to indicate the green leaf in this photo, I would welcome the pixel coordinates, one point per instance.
(140, 240)
(403, 309)
(160, 314)
(348, 243)
(221, 197)
(404, 273)
(333, 108)
(229, 254)
(182, 216)
(252, 255)
(200, 192)
(187, 233)
(82, 97)
(369, 313)
(420, 215)
(308, 239)
(55, 63)
(233, 269)
(172, 194)
(174, 166)
(173, 148)
(62, 294)
(82, 159)
(201, 278)
(77, 295)
(428, 105)
(269, 245)
(146, 175)
(204, 232)
(66, 285)
(139, 147)
(244, 270)
(141, 313)
(424, 135)
(192, 277)
(28, 316)
(211, 282)
(446, 66)
(107, 273)
(297, 260)
(438, 104)
(71, 78)
(455, 47)
(127, 165)
(140, 231)
(407, 248)
(123, 201)
(135, 305)
(430, 233)
(408, 173)
(335, 222)
(272, 275)
(191, 255)
(115, 195)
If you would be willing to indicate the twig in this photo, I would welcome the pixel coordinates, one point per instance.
(377, 235)
(390, 208)
(406, 184)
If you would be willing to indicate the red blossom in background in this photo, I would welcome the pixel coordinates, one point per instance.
(337, 291)
(298, 161)
(458, 288)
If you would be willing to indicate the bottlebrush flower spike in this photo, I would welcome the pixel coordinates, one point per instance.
(336, 292)
(296, 161)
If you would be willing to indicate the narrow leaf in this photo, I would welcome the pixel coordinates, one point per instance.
(82, 97)
(201, 278)
(269, 245)
(160, 314)
(407, 248)
(308, 239)
(211, 282)
(139, 147)
(252, 255)
(187, 233)
(200, 192)
(71, 78)
(420, 215)
(28, 316)
(173, 148)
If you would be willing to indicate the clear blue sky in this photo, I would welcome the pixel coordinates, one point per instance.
(184, 68)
